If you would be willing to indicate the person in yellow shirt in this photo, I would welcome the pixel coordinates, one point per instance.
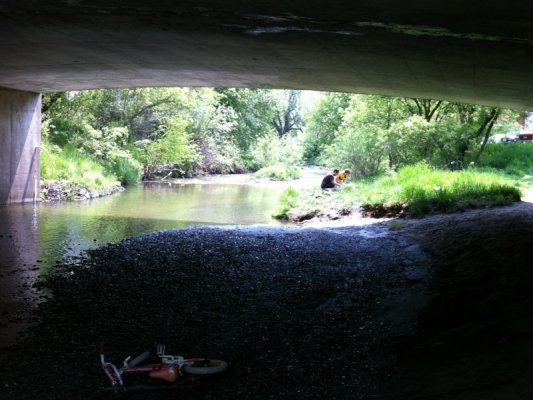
(341, 177)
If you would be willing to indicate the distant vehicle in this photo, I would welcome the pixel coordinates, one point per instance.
(504, 138)
(513, 137)
(525, 137)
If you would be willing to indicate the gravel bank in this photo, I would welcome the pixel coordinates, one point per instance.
(298, 313)
(434, 308)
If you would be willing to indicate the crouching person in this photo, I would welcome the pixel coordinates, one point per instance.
(328, 183)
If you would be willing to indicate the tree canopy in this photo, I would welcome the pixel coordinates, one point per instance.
(227, 130)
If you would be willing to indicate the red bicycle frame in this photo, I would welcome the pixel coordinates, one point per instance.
(169, 369)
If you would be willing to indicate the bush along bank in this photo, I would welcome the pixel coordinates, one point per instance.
(61, 191)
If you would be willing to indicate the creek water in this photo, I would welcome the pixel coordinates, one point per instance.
(33, 238)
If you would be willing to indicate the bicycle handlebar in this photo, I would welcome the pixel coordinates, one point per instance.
(139, 359)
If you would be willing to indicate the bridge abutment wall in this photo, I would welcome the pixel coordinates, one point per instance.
(20, 141)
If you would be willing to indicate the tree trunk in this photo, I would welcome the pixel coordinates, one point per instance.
(487, 126)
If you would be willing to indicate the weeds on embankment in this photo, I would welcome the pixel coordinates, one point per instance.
(416, 190)
(424, 190)
(75, 167)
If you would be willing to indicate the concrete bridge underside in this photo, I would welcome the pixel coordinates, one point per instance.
(469, 51)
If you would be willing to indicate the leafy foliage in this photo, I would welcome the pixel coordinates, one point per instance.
(254, 111)
(259, 112)
(211, 126)
(359, 143)
(290, 199)
(286, 117)
(271, 150)
(105, 148)
(387, 132)
(223, 130)
(323, 124)
(279, 172)
(195, 130)
(172, 147)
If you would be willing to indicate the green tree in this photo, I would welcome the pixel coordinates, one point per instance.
(323, 123)
(66, 123)
(359, 144)
(411, 130)
(287, 116)
(211, 126)
(173, 146)
(140, 110)
(254, 111)
(271, 150)
(430, 110)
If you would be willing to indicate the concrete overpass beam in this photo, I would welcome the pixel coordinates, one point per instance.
(20, 138)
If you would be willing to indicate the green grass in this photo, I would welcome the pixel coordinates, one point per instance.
(395, 225)
(126, 169)
(289, 200)
(419, 188)
(279, 172)
(69, 165)
(514, 159)
(298, 205)
(425, 189)
(511, 160)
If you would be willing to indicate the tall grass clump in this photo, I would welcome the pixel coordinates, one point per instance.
(289, 200)
(424, 189)
(68, 164)
(515, 159)
(126, 169)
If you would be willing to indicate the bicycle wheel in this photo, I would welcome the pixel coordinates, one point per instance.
(204, 366)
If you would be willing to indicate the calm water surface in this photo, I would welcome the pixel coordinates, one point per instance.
(62, 229)
(34, 238)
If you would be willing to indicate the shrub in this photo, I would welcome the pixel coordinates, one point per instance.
(358, 147)
(288, 200)
(126, 168)
(220, 156)
(279, 172)
(271, 150)
(174, 146)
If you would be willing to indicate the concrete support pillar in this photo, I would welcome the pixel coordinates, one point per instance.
(20, 141)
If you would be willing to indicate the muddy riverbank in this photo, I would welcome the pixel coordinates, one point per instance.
(347, 312)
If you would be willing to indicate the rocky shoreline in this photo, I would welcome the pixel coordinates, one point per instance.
(61, 191)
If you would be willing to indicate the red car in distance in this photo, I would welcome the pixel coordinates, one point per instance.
(525, 137)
